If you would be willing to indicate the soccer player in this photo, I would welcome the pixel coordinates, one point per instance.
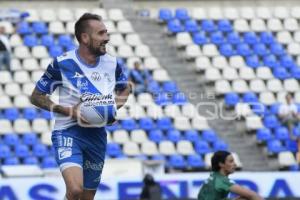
(218, 185)
(84, 73)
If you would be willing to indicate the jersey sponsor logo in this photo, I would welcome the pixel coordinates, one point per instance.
(97, 99)
(64, 152)
(107, 77)
(78, 75)
(93, 166)
(96, 76)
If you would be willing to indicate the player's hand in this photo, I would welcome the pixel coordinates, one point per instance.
(76, 115)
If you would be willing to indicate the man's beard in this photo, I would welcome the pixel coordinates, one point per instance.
(96, 51)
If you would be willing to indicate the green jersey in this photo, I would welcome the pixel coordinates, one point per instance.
(216, 187)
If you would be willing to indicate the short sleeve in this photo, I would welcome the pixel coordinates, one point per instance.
(50, 79)
(121, 78)
(224, 185)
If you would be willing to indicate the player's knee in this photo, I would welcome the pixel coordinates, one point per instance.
(74, 192)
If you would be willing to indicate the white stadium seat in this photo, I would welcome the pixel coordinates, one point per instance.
(172, 111)
(286, 159)
(120, 136)
(21, 126)
(100, 11)
(274, 85)
(215, 13)
(145, 99)
(192, 51)
(212, 74)
(281, 12)
(116, 14)
(242, 110)
(15, 40)
(79, 12)
(189, 110)
(241, 25)
(22, 101)
(240, 86)
(160, 75)
(183, 39)
(267, 98)
(210, 50)
(264, 73)
(253, 122)
(154, 111)
(231, 13)
(247, 13)
(151, 63)
(274, 24)
(56, 27)
(199, 13)
(185, 147)
(290, 24)
(219, 62)
(202, 63)
(6, 126)
(200, 123)
(12, 89)
(291, 85)
(142, 51)
(131, 149)
(182, 123)
(40, 52)
(125, 51)
(133, 39)
(230, 74)
(149, 148)
(30, 64)
(263, 13)
(139, 136)
(237, 62)
(116, 39)
(222, 87)
(40, 125)
(295, 12)
(258, 25)
(48, 15)
(5, 102)
(21, 76)
(65, 15)
(124, 27)
(247, 73)
(5, 77)
(167, 148)
(284, 37)
(257, 85)
(22, 52)
(27, 88)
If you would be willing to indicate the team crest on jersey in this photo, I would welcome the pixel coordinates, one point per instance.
(96, 76)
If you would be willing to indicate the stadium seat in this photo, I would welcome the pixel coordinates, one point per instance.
(169, 86)
(185, 148)
(174, 26)
(217, 38)
(40, 150)
(202, 147)
(47, 40)
(5, 151)
(146, 123)
(243, 49)
(120, 136)
(179, 99)
(30, 40)
(271, 121)
(250, 38)
(286, 159)
(165, 14)
(149, 148)
(11, 161)
(164, 123)
(177, 161)
(260, 49)
(250, 97)
(181, 14)
(224, 25)
(131, 149)
(24, 28)
(209, 136)
(220, 145)
(191, 135)
(65, 40)
(253, 61)
(11, 139)
(263, 135)
(48, 162)
(274, 147)
(39, 27)
(156, 135)
(139, 136)
(195, 161)
(174, 136)
(191, 26)
(208, 25)
(55, 51)
(282, 133)
(226, 50)
(30, 161)
(200, 38)
(291, 145)
(281, 73)
(30, 138)
(22, 151)
(114, 150)
(11, 114)
(128, 124)
(30, 113)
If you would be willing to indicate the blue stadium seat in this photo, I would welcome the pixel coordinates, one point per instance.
(113, 127)
(22, 151)
(208, 25)
(11, 114)
(250, 97)
(250, 38)
(233, 38)
(287, 61)
(174, 135)
(129, 124)
(170, 86)
(11, 139)
(195, 161)
(156, 136)
(65, 40)
(162, 99)
(39, 27)
(275, 146)
(231, 99)
(30, 113)
(30, 40)
(296, 130)
(49, 162)
(174, 26)
(30, 138)
(253, 61)
(179, 98)
(270, 61)
(209, 136)
(24, 28)
(260, 49)
(266, 38)
(11, 161)
(182, 14)
(70, 47)
(4, 151)
(281, 73)
(282, 133)
(164, 123)
(274, 108)
(176, 161)
(295, 72)
(277, 49)
(243, 49)
(158, 157)
(31, 161)
(263, 135)
(146, 123)
(259, 109)
(114, 150)
(200, 38)
(271, 121)
(45, 114)
(191, 26)
(217, 38)
(55, 51)
(294, 168)
(40, 150)
(165, 14)
(220, 145)
(141, 157)
(202, 147)
(224, 25)
(153, 87)
(291, 145)
(227, 50)
(191, 135)
(47, 40)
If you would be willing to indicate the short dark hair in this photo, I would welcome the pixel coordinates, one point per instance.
(218, 157)
(82, 24)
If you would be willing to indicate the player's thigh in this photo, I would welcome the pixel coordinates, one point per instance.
(73, 178)
(88, 195)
